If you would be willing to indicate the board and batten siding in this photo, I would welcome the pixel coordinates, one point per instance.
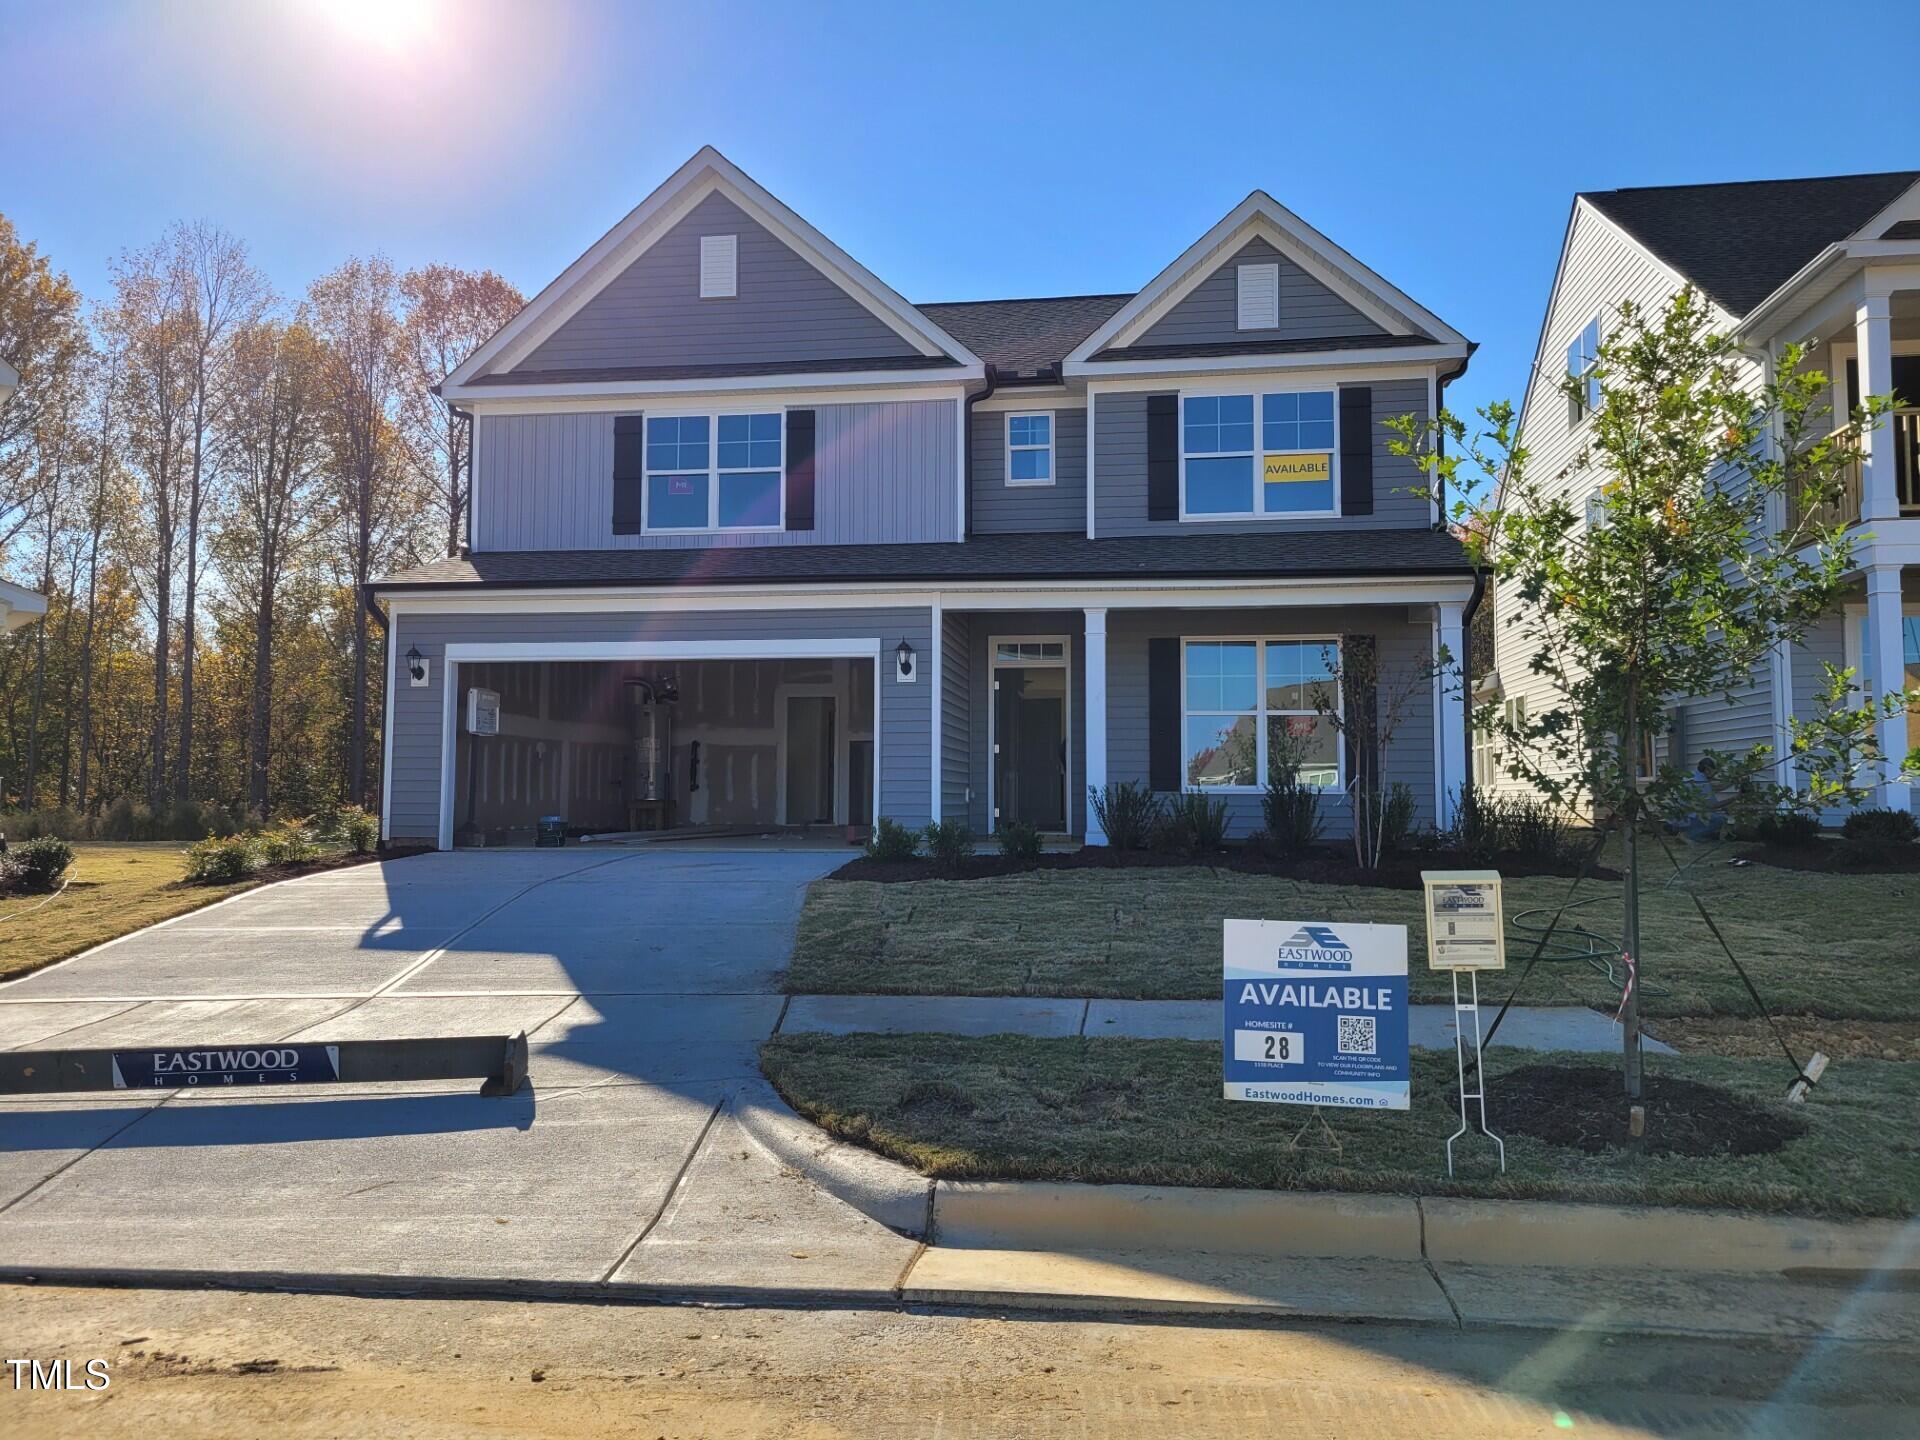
(1000, 508)
(1120, 468)
(905, 710)
(1209, 314)
(1410, 756)
(885, 472)
(652, 313)
(956, 721)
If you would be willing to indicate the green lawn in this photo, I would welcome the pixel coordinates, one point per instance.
(1150, 1112)
(1831, 945)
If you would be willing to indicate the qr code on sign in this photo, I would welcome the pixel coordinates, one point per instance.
(1356, 1035)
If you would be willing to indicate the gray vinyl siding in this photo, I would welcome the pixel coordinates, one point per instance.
(988, 625)
(1210, 313)
(1120, 470)
(884, 472)
(652, 313)
(999, 508)
(956, 728)
(1403, 645)
(905, 710)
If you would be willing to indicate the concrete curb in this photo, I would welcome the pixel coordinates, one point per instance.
(899, 1198)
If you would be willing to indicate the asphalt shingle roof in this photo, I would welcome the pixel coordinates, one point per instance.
(1740, 242)
(1065, 556)
(1023, 338)
(711, 372)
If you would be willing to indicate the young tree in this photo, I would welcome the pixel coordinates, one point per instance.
(449, 313)
(1380, 696)
(1674, 582)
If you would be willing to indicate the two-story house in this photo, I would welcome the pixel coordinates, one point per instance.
(755, 541)
(1832, 262)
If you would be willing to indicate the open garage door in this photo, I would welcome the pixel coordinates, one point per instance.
(663, 745)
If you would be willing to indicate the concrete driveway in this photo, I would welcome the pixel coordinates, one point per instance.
(645, 979)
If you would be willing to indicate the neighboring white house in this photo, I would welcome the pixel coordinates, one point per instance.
(1833, 262)
(17, 606)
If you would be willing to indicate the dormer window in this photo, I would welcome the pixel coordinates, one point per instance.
(1259, 296)
(719, 267)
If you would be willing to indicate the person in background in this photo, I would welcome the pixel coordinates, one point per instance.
(1703, 819)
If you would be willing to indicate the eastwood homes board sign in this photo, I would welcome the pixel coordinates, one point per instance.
(229, 1065)
(1316, 1014)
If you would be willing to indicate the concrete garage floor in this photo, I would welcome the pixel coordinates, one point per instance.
(645, 979)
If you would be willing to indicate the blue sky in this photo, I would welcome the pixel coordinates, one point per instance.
(960, 151)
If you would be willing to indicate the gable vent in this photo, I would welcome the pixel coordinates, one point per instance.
(719, 266)
(1259, 296)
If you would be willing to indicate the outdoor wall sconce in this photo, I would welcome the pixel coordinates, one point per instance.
(416, 665)
(907, 673)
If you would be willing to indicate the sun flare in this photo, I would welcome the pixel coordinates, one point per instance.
(397, 27)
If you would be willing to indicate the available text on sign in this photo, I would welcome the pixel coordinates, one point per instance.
(1316, 1014)
(1297, 469)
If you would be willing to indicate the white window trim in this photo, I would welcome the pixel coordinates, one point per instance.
(994, 666)
(1053, 430)
(1204, 392)
(713, 527)
(1587, 411)
(725, 250)
(1261, 713)
(1268, 267)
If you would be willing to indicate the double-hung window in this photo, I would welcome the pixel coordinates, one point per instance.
(1252, 709)
(1030, 449)
(1583, 359)
(1285, 469)
(714, 472)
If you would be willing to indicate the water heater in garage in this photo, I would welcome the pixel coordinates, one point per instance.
(652, 700)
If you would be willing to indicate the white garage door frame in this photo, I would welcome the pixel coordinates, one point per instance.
(499, 653)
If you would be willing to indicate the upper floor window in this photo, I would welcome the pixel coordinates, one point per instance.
(714, 472)
(1030, 449)
(1258, 293)
(1295, 453)
(719, 267)
(1583, 357)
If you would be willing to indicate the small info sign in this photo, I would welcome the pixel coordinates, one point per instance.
(1316, 1014)
(1465, 929)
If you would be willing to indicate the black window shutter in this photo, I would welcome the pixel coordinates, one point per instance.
(1356, 450)
(1361, 708)
(800, 470)
(1163, 459)
(1163, 713)
(629, 473)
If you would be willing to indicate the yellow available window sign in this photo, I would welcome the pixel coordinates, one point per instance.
(1305, 469)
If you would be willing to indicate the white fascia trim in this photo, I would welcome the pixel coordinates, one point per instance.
(1904, 206)
(569, 397)
(467, 652)
(653, 217)
(1260, 213)
(1369, 363)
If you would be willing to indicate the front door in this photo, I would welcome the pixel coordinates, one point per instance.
(1030, 745)
(810, 745)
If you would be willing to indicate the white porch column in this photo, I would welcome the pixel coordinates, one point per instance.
(1887, 671)
(1095, 643)
(1873, 332)
(1450, 700)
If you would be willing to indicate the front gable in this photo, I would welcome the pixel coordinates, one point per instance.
(1307, 309)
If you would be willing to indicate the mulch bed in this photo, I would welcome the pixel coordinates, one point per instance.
(1583, 1108)
(1323, 866)
(1835, 857)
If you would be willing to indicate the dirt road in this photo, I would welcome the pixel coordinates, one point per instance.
(218, 1364)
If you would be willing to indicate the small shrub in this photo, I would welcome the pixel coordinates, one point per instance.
(950, 843)
(61, 823)
(1788, 830)
(1128, 813)
(1292, 815)
(360, 830)
(1020, 840)
(220, 860)
(892, 841)
(1880, 834)
(288, 843)
(38, 864)
(1396, 819)
(1533, 827)
(1193, 825)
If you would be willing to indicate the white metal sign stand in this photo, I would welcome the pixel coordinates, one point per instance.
(1466, 931)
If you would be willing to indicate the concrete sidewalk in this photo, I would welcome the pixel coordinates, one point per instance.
(1527, 1027)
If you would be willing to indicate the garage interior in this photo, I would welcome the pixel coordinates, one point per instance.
(674, 746)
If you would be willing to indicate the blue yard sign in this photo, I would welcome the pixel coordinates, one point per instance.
(1316, 1014)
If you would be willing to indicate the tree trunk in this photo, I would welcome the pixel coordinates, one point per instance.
(1630, 920)
(31, 787)
(259, 735)
(65, 796)
(162, 618)
(183, 768)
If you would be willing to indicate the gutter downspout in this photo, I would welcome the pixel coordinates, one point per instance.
(993, 383)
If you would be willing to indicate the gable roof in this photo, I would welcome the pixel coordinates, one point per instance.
(653, 218)
(1260, 214)
(1740, 241)
(1024, 339)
